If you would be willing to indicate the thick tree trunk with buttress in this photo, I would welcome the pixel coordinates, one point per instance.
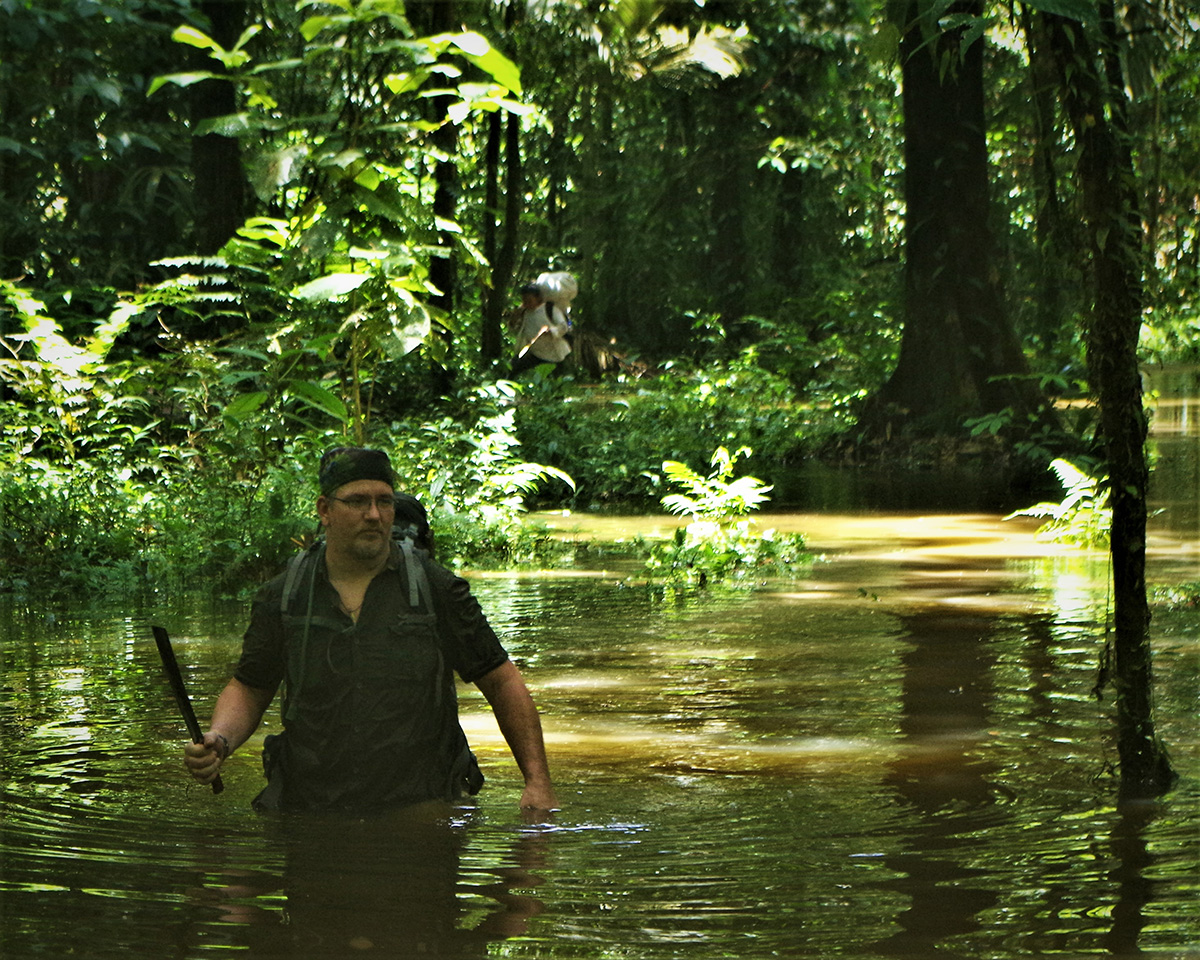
(959, 356)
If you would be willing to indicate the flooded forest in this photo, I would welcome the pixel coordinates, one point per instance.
(798, 387)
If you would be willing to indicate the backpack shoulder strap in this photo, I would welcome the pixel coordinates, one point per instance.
(292, 580)
(418, 580)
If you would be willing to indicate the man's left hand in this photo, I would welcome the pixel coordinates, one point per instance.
(539, 799)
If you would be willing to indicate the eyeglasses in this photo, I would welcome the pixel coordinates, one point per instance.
(363, 503)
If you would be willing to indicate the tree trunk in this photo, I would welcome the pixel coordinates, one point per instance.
(1105, 172)
(729, 269)
(506, 258)
(443, 268)
(504, 137)
(443, 265)
(1057, 248)
(491, 342)
(959, 355)
(219, 182)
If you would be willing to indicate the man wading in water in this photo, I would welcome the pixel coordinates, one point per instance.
(365, 634)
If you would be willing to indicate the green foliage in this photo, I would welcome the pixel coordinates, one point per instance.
(468, 469)
(1032, 437)
(610, 436)
(719, 543)
(724, 178)
(1178, 596)
(717, 497)
(118, 476)
(93, 178)
(335, 120)
(1171, 338)
(1083, 518)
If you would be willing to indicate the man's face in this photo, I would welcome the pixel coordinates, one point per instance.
(361, 527)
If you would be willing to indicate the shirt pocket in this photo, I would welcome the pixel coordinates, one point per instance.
(403, 675)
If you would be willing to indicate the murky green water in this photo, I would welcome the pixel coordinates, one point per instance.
(899, 755)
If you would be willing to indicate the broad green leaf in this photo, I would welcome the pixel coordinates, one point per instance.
(266, 228)
(476, 48)
(195, 38)
(314, 25)
(408, 337)
(472, 44)
(317, 396)
(245, 405)
(247, 35)
(368, 178)
(406, 82)
(231, 125)
(1071, 9)
(181, 79)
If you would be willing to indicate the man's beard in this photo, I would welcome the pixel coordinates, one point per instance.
(368, 549)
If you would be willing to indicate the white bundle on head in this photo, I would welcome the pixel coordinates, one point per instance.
(559, 288)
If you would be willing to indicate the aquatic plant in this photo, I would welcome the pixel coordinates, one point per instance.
(720, 543)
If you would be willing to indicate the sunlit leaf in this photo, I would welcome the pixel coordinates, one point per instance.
(476, 48)
(185, 79)
(330, 287)
(311, 27)
(407, 337)
(406, 82)
(195, 38)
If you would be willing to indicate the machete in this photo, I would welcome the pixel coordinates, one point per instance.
(171, 666)
(537, 336)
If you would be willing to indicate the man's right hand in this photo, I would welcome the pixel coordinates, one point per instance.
(203, 760)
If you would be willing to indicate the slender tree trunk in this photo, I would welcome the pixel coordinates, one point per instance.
(443, 265)
(1097, 107)
(506, 257)
(504, 137)
(729, 272)
(1051, 232)
(443, 269)
(218, 180)
(490, 336)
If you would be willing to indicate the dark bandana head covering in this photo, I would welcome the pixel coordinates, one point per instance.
(346, 464)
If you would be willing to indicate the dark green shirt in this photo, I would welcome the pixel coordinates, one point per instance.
(370, 712)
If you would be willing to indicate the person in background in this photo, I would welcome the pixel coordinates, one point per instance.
(365, 637)
(541, 331)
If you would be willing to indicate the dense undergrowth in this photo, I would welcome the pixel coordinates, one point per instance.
(123, 476)
(193, 465)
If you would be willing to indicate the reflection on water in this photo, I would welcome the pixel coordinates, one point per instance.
(898, 756)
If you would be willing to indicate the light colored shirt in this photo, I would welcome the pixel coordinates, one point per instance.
(551, 346)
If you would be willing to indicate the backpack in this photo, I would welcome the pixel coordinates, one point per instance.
(560, 289)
